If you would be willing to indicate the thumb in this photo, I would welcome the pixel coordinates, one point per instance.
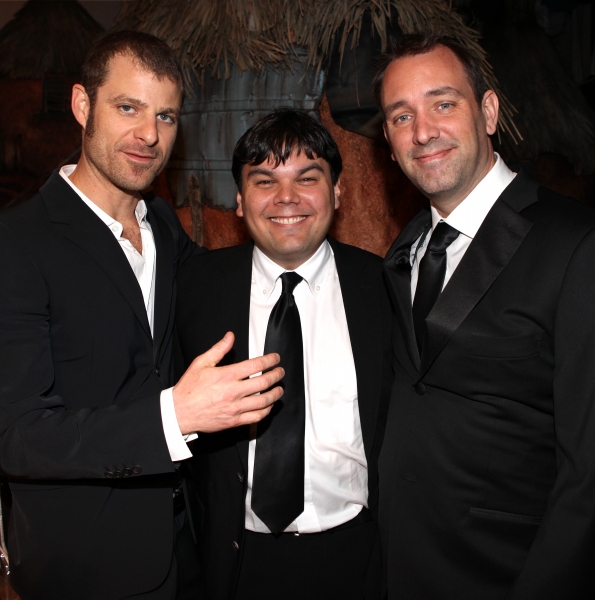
(216, 353)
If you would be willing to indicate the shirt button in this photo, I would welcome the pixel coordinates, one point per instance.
(264, 292)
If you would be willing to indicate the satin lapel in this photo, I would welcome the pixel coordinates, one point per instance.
(75, 221)
(360, 302)
(397, 268)
(164, 276)
(497, 240)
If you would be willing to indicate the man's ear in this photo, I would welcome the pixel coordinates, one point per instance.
(489, 107)
(239, 210)
(337, 189)
(80, 104)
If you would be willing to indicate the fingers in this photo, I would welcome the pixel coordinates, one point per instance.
(215, 354)
(248, 368)
(256, 408)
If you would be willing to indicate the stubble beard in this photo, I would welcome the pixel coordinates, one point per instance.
(119, 171)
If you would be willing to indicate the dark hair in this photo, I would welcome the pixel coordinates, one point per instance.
(151, 53)
(420, 43)
(280, 133)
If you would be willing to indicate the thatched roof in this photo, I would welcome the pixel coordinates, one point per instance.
(253, 33)
(46, 37)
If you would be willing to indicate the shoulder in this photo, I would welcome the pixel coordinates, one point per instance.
(25, 213)
(215, 263)
(354, 256)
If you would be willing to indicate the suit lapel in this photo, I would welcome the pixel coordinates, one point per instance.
(234, 306)
(164, 273)
(76, 222)
(496, 242)
(397, 267)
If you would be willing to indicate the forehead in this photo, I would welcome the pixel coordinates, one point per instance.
(412, 75)
(295, 162)
(125, 74)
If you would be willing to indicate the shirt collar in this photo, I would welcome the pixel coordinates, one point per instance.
(468, 216)
(140, 211)
(265, 272)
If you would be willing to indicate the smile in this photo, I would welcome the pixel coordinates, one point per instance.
(287, 220)
(139, 157)
(433, 156)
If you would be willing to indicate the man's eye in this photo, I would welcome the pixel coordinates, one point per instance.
(166, 118)
(402, 119)
(445, 105)
(126, 108)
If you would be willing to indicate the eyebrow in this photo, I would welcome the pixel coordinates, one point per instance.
(442, 91)
(138, 102)
(270, 172)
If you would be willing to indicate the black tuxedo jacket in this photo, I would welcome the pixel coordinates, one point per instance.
(487, 474)
(214, 297)
(81, 436)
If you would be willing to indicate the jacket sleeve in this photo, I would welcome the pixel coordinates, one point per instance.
(39, 437)
(561, 560)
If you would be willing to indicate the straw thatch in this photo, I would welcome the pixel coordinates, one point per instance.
(46, 37)
(251, 34)
(215, 35)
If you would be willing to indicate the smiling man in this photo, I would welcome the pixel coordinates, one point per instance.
(488, 467)
(91, 430)
(290, 504)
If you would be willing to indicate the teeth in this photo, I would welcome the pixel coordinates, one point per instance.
(287, 220)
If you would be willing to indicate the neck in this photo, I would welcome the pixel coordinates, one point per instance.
(117, 203)
(445, 203)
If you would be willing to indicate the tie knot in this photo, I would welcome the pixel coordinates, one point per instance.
(289, 280)
(442, 237)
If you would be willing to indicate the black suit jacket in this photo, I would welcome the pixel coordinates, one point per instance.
(488, 467)
(214, 298)
(81, 436)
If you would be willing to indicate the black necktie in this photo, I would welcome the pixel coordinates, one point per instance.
(278, 481)
(432, 269)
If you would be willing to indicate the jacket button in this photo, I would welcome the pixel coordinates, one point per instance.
(118, 474)
(240, 477)
(108, 474)
(157, 371)
(136, 470)
(236, 546)
(420, 388)
(127, 472)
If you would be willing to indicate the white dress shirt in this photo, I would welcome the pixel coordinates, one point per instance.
(466, 218)
(336, 475)
(143, 266)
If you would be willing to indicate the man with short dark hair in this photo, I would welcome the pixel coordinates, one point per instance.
(91, 430)
(488, 466)
(290, 504)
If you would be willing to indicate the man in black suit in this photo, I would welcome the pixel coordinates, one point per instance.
(90, 428)
(319, 540)
(488, 467)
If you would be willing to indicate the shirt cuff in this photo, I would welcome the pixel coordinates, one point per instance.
(176, 442)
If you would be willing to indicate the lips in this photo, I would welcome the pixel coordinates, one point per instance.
(429, 155)
(141, 156)
(287, 220)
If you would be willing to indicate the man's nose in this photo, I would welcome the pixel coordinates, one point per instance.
(425, 129)
(146, 131)
(287, 194)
